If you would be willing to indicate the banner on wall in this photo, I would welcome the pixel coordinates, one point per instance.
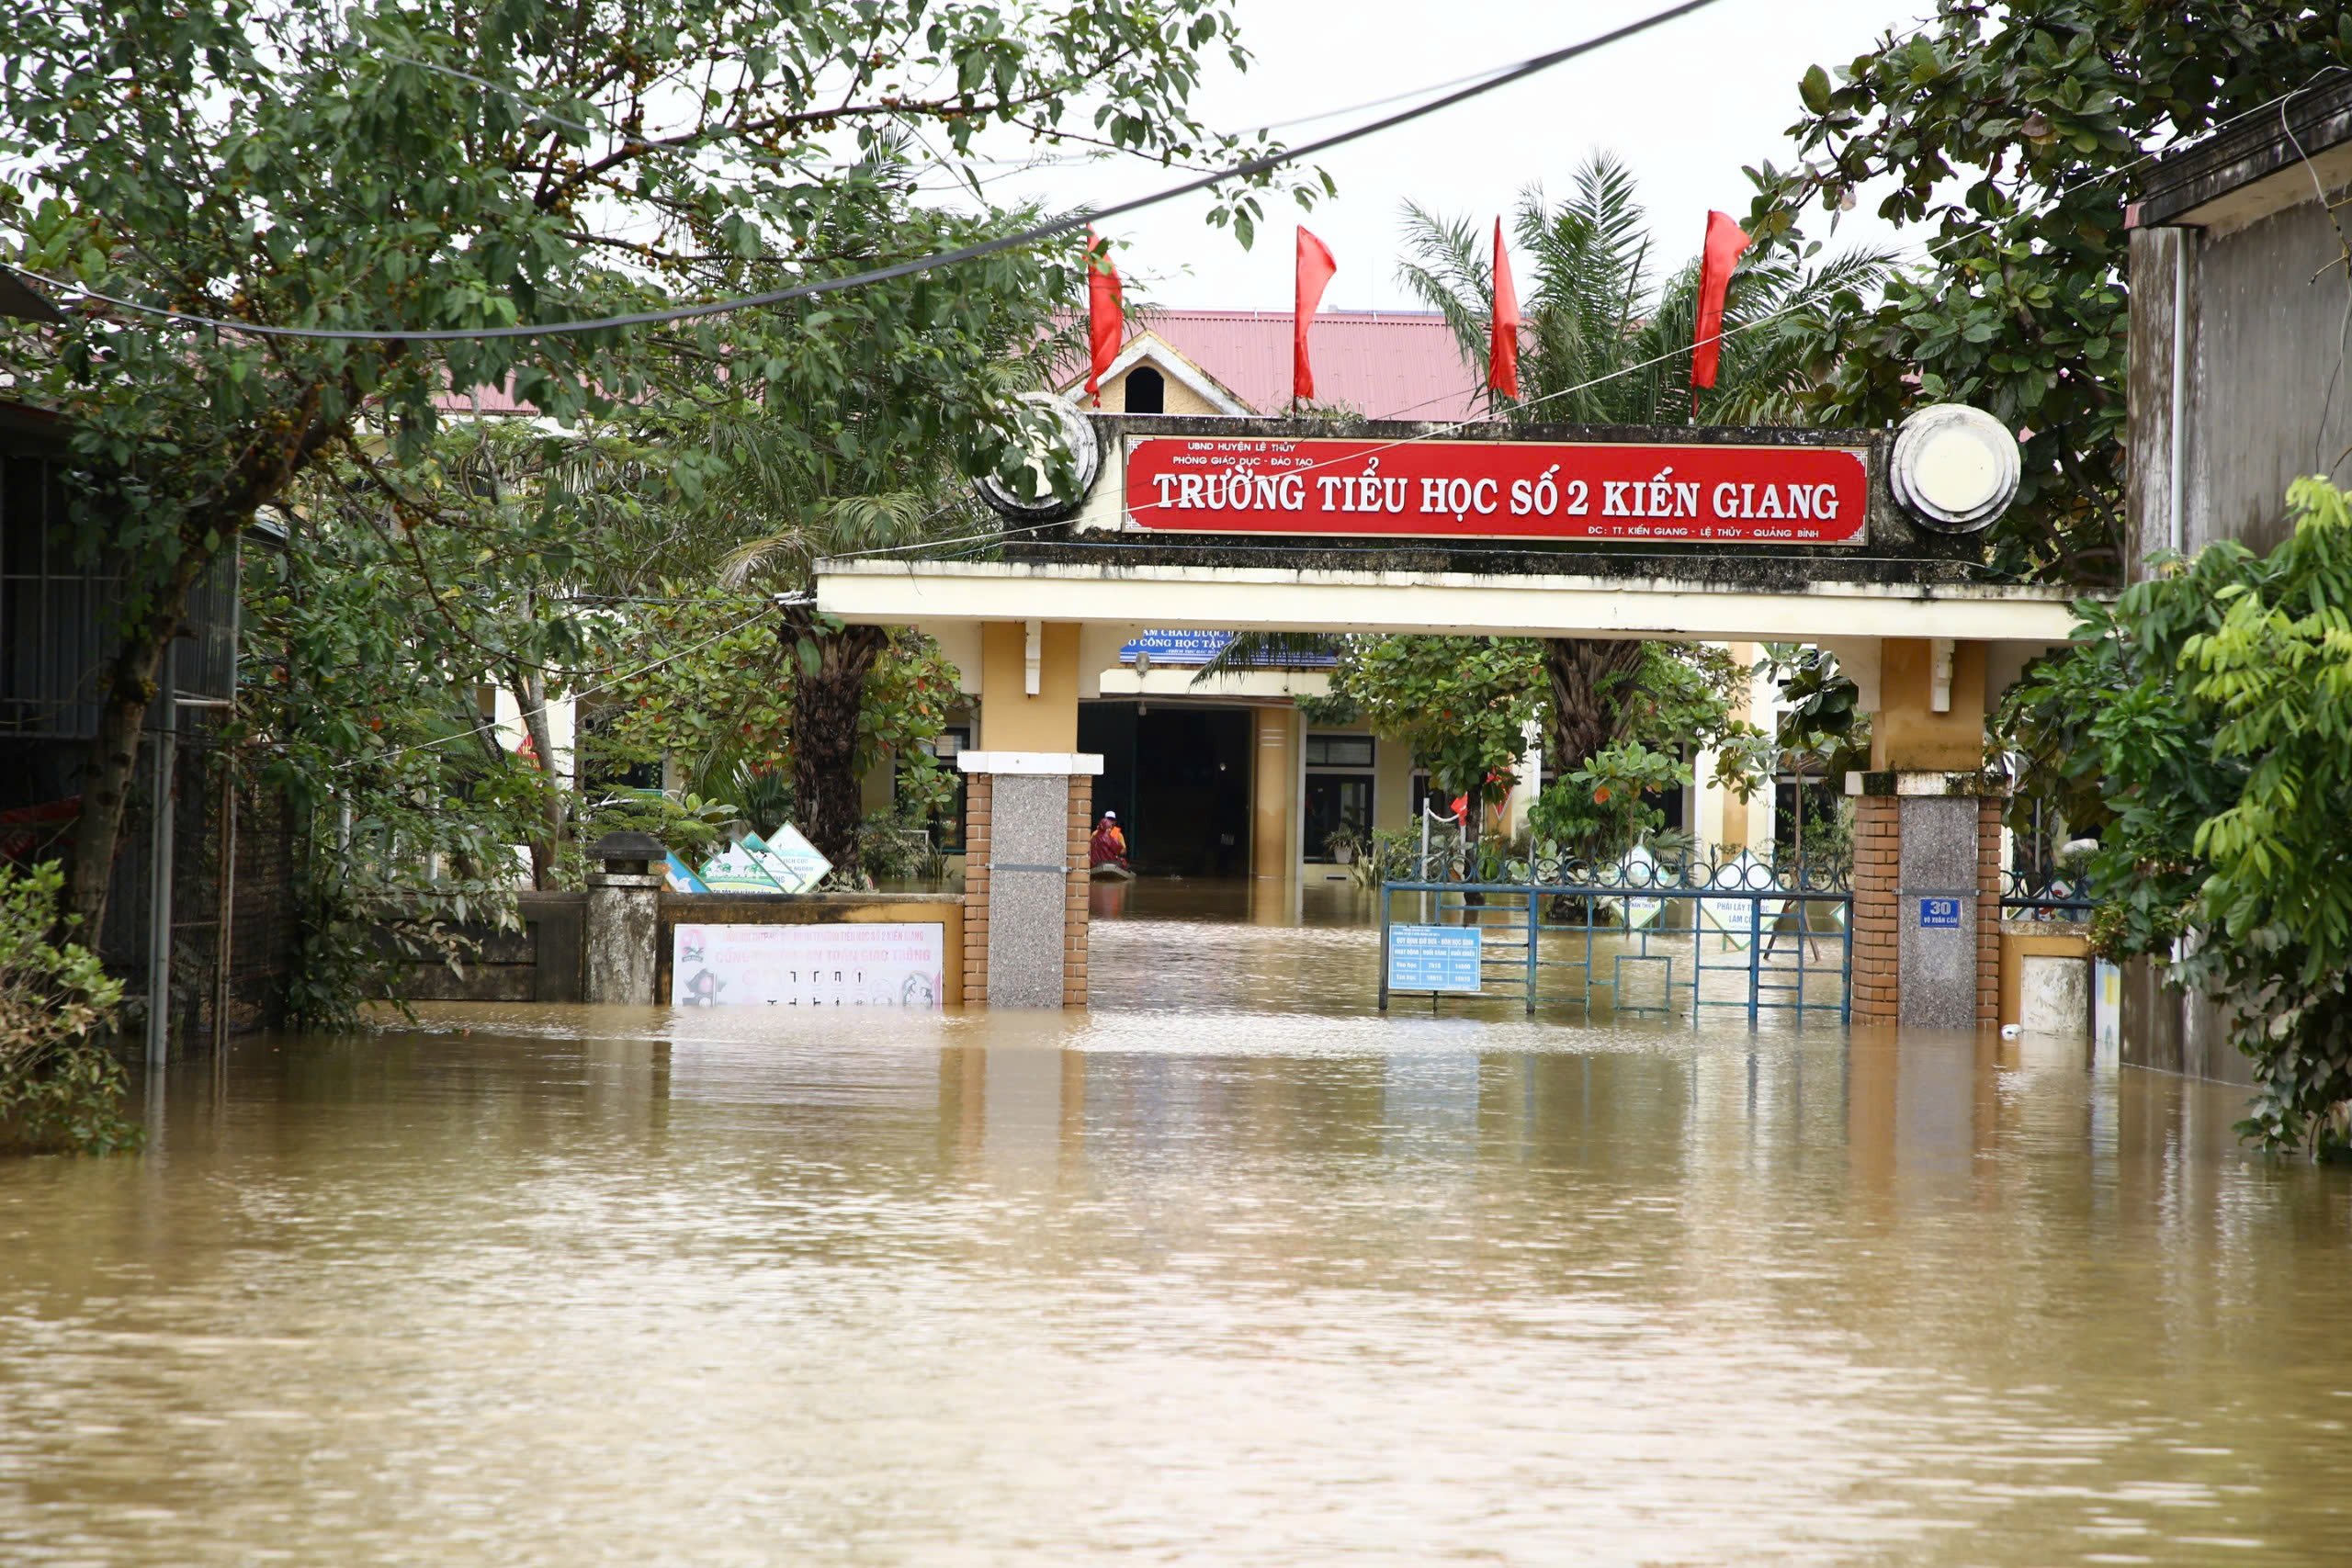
(837, 964)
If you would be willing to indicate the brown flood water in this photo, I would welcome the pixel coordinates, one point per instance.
(1230, 1270)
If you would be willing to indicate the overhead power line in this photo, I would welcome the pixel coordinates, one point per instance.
(1247, 169)
(1439, 432)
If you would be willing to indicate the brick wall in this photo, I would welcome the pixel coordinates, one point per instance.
(1988, 913)
(1081, 878)
(978, 794)
(1877, 865)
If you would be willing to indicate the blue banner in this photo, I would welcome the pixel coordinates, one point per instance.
(1194, 649)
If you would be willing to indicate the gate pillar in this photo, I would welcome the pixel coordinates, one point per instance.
(1274, 805)
(1926, 844)
(1028, 809)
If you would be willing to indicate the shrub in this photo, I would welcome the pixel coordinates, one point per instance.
(59, 1085)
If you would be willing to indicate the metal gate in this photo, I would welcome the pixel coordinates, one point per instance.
(1641, 938)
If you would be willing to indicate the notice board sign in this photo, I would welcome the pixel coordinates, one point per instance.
(1940, 914)
(1433, 958)
(1708, 493)
(834, 964)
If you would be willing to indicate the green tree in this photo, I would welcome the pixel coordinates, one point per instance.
(2204, 724)
(2006, 133)
(1607, 341)
(470, 164)
(1461, 702)
(1462, 705)
(721, 697)
(370, 640)
(1600, 808)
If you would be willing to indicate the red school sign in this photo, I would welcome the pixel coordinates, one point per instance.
(1494, 489)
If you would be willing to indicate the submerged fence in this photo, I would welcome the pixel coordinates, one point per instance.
(1640, 936)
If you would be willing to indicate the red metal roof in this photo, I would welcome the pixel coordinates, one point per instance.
(1382, 364)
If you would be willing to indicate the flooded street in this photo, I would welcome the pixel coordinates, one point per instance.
(1231, 1269)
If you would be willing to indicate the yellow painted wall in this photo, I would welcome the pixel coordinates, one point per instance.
(876, 786)
(1904, 733)
(1011, 720)
(1180, 400)
(1391, 785)
(1273, 792)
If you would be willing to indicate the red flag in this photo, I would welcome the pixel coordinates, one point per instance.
(1104, 325)
(1725, 242)
(1315, 270)
(1502, 347)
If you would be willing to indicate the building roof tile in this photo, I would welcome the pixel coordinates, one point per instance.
(1382, 364)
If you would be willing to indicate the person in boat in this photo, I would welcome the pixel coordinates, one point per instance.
(1109, 846)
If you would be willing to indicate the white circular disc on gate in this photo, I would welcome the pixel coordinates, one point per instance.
(1068, 430)
(1955, 468)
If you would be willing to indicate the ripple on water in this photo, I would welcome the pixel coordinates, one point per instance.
(1230, 1270)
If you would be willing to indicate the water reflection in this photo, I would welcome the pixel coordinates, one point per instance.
(1230, 1270)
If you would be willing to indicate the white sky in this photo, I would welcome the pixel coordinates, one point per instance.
(1685, 106)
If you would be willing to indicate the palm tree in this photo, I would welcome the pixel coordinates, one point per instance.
(1607, 341)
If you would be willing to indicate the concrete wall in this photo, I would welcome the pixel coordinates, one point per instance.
(2024, 939)
(541, 963)
(544, 961)
(1011, 719)
(1906, 731)
(2262, 346)
(2265, 338)
(943, 910)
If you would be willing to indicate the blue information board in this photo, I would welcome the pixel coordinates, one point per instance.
(1433, 958)
(1197, 648)
(1940, 913)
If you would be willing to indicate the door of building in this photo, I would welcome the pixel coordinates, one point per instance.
(1339, 792)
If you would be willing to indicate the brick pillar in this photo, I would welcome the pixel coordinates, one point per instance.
(1026, 827)
(1878, 993)
(1074, 901)
(976, 794)
(1988, 912)
(1926, 900)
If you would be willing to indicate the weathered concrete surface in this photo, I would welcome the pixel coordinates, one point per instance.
(2264, 341)
(540, 962)
(2233, 224)
(2054, 996)
(2174, 1031)
(1937, 860)
(624, 921)
(1028, 882)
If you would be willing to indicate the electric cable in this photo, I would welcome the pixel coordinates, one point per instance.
(1928, 253)
(779, 601)
(1248, 168)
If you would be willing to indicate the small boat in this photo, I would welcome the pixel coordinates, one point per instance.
(1112, 871)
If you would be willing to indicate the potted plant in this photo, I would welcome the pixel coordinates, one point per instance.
(1343, 842)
